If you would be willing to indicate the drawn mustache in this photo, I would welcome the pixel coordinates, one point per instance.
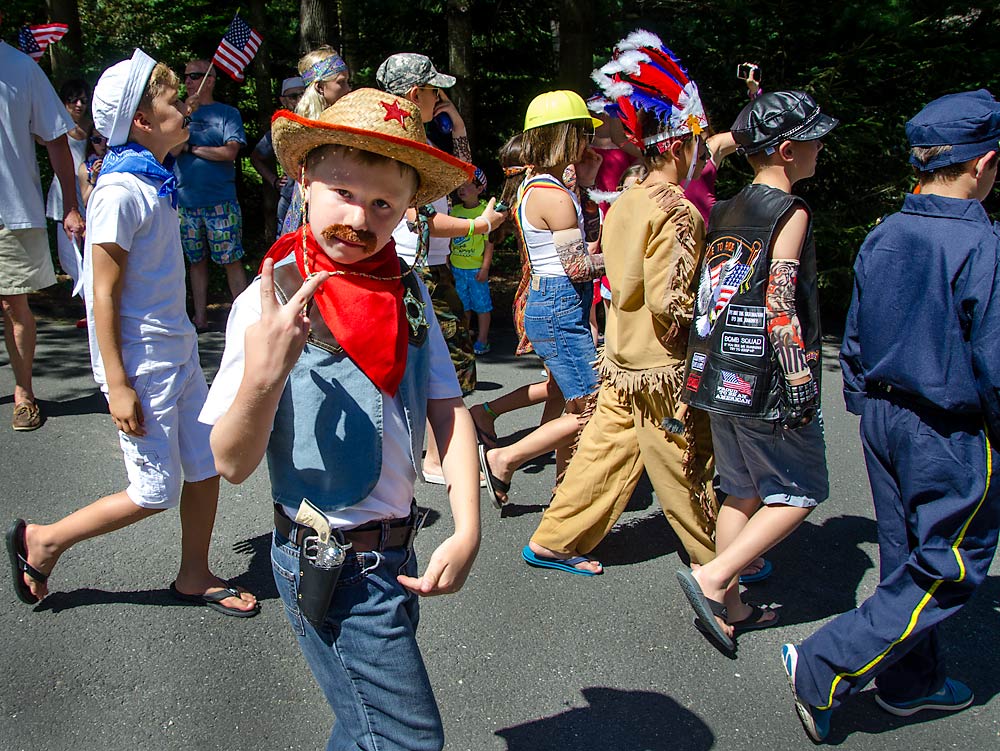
(351, 235)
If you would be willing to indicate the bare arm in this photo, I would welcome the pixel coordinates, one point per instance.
(484, 271)
(225, 153)
(720, 146)
(445, 225)
(62, 165)
(266, 168)
(109, 262)
(451, 562)
(272, 346)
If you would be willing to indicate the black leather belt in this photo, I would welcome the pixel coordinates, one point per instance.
(393, 533)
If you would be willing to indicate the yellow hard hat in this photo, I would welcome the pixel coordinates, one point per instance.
(557, 107)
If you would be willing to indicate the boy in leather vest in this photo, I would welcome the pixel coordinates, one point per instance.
(333, 364)
(923, 376)
(754, 357)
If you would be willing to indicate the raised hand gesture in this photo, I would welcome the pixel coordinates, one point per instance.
(274, 343)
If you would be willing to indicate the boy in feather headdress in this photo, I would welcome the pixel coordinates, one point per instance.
(653, 239)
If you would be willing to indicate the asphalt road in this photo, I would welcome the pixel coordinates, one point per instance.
(520, 659)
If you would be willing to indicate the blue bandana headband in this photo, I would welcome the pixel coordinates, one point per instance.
(326, 68)
(138, 160)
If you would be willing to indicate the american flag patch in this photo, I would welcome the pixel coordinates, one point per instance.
(736, 382)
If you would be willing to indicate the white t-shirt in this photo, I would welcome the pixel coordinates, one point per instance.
(155, 329)
(390, 498)
(29, 106)
(54, 202)
(406, 241)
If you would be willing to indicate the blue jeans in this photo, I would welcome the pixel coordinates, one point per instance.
(557, 323)
(365, 656)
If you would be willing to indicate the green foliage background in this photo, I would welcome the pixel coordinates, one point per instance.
(871, 63)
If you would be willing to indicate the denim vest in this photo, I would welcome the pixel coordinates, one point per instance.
(326, 443)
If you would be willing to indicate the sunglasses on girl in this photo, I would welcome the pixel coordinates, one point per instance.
(98, 139)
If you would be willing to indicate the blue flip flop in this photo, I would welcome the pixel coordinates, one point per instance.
(562, 564)
(765, 571)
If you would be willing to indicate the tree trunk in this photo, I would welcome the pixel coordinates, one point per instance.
(316, 24)
(576, 45)
(460, 62)
(347, 27)
(66, 54)
(265, 105)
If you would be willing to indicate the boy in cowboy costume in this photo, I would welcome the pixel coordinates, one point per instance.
(923, 375)
(333, 364)
(652, 242)
(143, 348)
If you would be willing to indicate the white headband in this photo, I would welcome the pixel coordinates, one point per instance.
(117, 95)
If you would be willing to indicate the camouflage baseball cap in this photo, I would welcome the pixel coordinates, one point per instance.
(401, 72)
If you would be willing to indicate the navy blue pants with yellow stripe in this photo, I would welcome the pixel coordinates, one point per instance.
(938, 514)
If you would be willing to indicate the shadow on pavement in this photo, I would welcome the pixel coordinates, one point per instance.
(615, 719)
(817, 571)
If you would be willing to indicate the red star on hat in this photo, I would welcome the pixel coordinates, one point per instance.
(394, 112)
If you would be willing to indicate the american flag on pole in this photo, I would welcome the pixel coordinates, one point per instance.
(33, 40)
(237, 49)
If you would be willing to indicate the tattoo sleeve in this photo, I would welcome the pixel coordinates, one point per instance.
(783, 328)
(579, 265)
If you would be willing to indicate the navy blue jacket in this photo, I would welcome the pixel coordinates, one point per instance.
(925, 312)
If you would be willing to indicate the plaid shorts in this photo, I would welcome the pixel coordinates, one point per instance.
(221, 227)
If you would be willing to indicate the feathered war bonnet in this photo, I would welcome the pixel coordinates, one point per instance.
(644, 75)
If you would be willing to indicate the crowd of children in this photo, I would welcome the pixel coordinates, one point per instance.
(708, 379)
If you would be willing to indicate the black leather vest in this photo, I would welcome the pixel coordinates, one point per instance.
(731, 367)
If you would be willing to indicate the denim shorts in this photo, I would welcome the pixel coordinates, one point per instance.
(475, 295)
(557, 323)
(365, 656)
(760, 459)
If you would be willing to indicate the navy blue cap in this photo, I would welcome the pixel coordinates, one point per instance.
(969, 122)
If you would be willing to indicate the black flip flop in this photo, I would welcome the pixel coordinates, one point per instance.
(17, 551)
(494, 484)
(752, 622)
(706, 610)
(214, 600)
(484, 438)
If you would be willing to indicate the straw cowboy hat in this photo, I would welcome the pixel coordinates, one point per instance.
(374, 121)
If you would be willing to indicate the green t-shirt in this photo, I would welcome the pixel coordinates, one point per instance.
(467, 252)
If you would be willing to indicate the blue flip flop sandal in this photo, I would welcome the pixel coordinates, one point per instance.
(764, 572)
(561, 564)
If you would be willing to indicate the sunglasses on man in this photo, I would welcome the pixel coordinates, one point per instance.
(195, 75)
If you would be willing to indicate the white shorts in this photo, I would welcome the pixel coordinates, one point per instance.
(176, 446)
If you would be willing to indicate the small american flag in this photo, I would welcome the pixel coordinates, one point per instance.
(33, 40)
(736, 382)
(237, 49)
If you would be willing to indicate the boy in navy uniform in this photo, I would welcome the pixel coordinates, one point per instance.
(922, 369)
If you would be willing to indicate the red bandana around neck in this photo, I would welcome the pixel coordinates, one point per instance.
(365, 315)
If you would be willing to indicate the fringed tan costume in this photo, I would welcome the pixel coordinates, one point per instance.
(651, 265)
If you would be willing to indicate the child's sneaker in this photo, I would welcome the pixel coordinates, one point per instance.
(815, 721)
(480, 348)
(954, 696)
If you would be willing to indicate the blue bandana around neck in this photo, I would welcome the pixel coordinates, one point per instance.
(138, 160)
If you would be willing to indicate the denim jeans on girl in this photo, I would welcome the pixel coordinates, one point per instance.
(365, 656)
(557, 323)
